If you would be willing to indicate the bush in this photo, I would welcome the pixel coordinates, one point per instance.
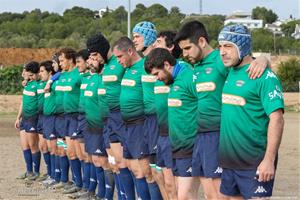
(10, 80)
(289, 74)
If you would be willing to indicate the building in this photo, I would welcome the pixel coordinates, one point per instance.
(239, 17)
(101, 12)
(296, 34)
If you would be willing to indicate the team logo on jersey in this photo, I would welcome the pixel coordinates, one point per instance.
(88, 93)
(276, 93)
(149, 78)
(194, 77)
(176, 88)
(32, 87)
(205, 87)
(68, 88)
(128, 82)
(133, 71)
(208, 70)
(233, 100)
(46, 95)
(28, 93)
(240, 83)
(92, 83)
(110, 78)
(69, 79)
(40, 91)
(83, 86)
(101, 91)
(270, 74)
(63, 80)
(112, 67)
(174, 102)
(161, 89)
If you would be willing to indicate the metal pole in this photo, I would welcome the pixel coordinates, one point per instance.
(128, 19)
(200, 7)
(274, 38)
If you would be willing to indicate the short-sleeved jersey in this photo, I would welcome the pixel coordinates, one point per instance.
(84, 81)
(40, 91)
(49, 107)
(72, 91)
(30, 100)
(59, 92)
(246, 106)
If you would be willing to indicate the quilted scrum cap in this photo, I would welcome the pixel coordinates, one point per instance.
(239, 36)
(147, 30)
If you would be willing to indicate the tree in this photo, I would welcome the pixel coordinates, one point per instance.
(289, 74)
(268, 16)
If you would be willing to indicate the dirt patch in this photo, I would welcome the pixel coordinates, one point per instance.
(16, 56)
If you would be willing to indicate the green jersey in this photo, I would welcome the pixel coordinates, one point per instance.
(131, 97)
(102, 98)
(30, 100)
(182, 110)
(49, 107)
(246, 106)
(40, 91)
(161, 92)
(211, 75)
(59, 92)
(93, 112)
(112, 76)
(84, 82)
(72, 91)
(148, 82)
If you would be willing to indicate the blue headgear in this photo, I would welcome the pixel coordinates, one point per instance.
(239, 36)
(147, 30)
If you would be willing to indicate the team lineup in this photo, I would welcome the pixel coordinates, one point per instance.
(155, 117)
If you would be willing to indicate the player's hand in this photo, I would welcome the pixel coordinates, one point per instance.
(47, 88)
(17, 124)
(266, 170)
(24, 82)
(257, 67)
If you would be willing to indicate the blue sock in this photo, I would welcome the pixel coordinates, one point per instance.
(101, 182)
(154, 191)
(142, 188)
(127, 183)
(52, 163)
(86, 175)
(57, 169)
(64, 169)
(76, 166)
(93, 179)
(36, 160)
(109, 184)
(119, 187)
(48, 162)
(28, 159)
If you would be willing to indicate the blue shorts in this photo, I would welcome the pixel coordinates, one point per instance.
(206, 155)
(245, 183)
(81, 126)
(40, 124)
(115, 127)
(49, 127)
(29, 125)
(71, 125)
(106, 132)
(94, 142)
(164, 152)
(134, 146)
(151, 133)
(60, 124)
(182, 167)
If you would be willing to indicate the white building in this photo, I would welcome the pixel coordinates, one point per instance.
(296, 34)
(239, 17)
(101, 12)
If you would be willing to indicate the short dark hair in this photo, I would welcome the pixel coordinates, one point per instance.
(170, 40)
(84, 54)
(69, 53)
(32, 66)
(192, 30)
(156, 59)
(123, 44)
(48, 66)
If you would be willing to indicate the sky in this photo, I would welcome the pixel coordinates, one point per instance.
(283, 8)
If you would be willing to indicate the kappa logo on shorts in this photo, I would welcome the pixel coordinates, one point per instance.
(32, 129)
(57, 170)
(92, 180)
(219, 170)
(52, 136)
(74, 134)
(189, 170)
(98, 151)
(260, 190)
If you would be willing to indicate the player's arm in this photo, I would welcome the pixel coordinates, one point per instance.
(17, 123)
(55, 77)
(258, 66)
(266, 169)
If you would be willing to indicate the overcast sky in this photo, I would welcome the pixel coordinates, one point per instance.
(283, 8)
